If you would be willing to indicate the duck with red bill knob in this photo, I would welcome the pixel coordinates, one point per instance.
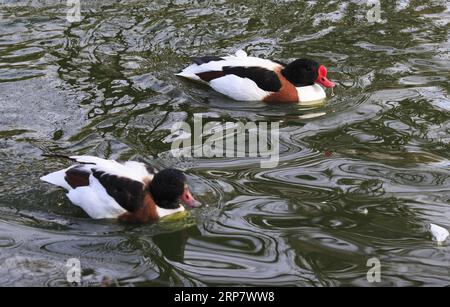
(129, 191)
(246, 78)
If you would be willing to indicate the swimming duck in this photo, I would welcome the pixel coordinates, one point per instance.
(130, 191)
(246, 78)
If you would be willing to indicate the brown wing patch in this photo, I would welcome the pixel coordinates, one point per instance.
(210, 75)
(287, 93)
(77, 177)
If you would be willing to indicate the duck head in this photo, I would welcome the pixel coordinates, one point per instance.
(304, 72)
(169, 187)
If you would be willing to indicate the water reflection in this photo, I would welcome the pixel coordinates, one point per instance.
(359, 176)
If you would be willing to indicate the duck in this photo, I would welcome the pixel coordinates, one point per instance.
(246, 78)
(130, 191)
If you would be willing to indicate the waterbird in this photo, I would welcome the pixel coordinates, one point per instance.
(246, 78)
(130, 191)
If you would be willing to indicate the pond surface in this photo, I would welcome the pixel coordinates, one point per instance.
(359, 177)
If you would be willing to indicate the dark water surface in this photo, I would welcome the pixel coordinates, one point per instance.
(359, 177)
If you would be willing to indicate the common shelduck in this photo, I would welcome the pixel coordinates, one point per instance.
(130, 191)
(246, 78)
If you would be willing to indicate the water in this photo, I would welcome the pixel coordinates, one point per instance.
(359, 177)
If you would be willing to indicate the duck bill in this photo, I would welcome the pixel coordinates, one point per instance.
(188, 200)
(325, 82)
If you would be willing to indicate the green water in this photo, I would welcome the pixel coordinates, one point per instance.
(361, 178)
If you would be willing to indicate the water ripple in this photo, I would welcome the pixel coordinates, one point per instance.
(359, 176)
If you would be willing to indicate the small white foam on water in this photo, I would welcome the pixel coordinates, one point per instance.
(439, 233)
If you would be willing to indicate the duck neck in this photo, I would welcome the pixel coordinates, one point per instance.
(297, 76)
(165, 203)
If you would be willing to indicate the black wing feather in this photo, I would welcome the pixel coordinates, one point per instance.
(128, 193)
(264, 78)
